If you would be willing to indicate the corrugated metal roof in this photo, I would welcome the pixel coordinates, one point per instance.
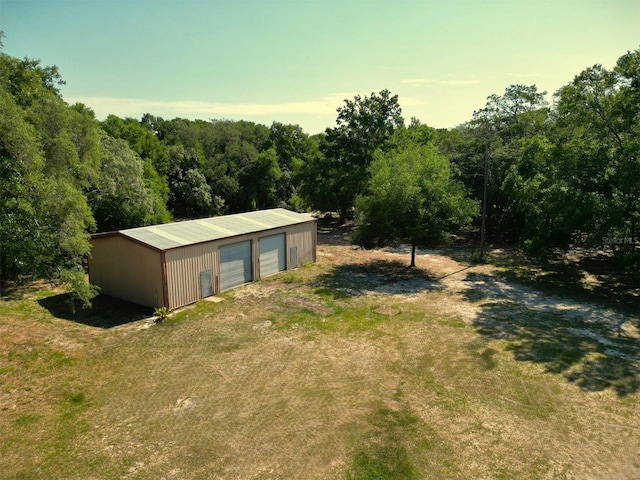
(180, 234)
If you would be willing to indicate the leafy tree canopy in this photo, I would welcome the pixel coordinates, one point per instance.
(411, 198)
(49, 153)
(365, 124)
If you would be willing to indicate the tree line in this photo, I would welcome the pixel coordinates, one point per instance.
(552, 175)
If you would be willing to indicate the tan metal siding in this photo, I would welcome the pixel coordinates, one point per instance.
(304, 237)
(129, 270)
(183, 272)
(126, 270)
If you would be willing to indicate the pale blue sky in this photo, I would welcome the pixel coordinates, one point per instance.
(295, 61)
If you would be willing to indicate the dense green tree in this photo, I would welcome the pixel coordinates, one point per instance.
(233, 157)
(121, 197)
(416, 133)
(49, 153)
(20, 166)
(225, 153)
(598, 128)
(190, 194)
(293, 149)
(571, 175)
(141, 138)
(332, 181)
(493, 139)
(412, 198)
(507, 113)
(542, 204)
(260, 183)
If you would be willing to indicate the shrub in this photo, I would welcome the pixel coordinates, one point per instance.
(80, 291)
(162, 313)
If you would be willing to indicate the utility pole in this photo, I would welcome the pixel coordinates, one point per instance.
(484, 197)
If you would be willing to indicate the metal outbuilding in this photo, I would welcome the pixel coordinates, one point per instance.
(179, 263)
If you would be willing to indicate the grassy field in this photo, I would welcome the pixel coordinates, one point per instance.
(351, 368)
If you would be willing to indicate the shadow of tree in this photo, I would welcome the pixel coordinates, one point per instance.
(376, 276)
(609, 285)
(586, 344)
(105, 312)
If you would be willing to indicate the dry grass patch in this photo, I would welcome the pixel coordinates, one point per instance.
(352, 368)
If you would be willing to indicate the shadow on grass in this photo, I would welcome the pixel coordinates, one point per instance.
(23, 287)
(386, 452)
(607, 285)
(586, 344)
(106, 312)
(378, 276)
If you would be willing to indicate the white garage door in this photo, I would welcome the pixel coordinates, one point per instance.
(272, 258)
(235, 264)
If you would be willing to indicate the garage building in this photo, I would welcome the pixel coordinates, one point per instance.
(179, 263)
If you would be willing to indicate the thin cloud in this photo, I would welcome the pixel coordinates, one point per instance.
(135, 107)
(322, 109)
(422, 81)
(525, 75)
(415, 81)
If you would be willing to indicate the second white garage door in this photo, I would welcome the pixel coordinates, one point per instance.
(235, 264)
(272, 255)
